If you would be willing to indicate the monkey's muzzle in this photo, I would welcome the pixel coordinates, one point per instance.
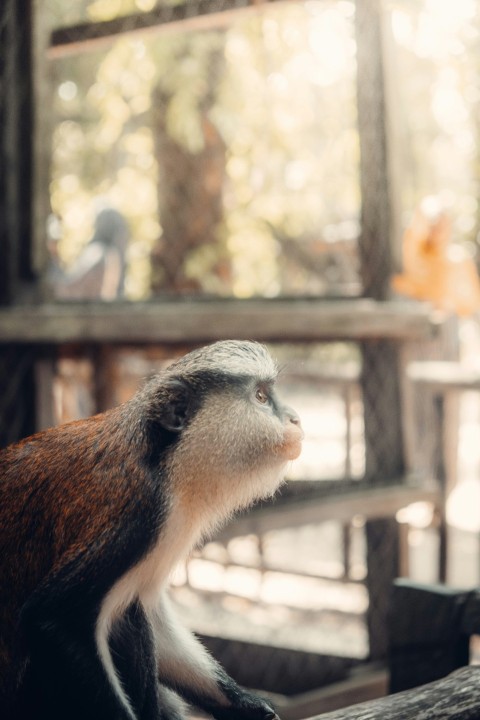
(293, 436)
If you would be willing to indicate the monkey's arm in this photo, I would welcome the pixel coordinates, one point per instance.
(185, 666)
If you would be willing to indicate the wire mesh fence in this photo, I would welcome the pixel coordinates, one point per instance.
(211, 142)
(213, 147)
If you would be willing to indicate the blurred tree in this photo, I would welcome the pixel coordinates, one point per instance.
(190, 255)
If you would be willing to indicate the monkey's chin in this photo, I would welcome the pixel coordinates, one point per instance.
(291, 450)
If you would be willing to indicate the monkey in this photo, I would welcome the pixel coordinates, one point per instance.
(94, 516)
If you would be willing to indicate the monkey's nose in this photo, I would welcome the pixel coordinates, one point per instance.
(293, 417)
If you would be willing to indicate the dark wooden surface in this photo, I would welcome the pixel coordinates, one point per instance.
(456, 697)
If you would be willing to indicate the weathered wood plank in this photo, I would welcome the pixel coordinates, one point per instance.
(456, 697)
(182, 322)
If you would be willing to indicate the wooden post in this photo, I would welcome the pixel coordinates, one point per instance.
(45, 403)
(380, 375)
(15, 147)
(17, 393)
(427, 639)
(17, 404)
(441, 476)
(380, 378)
(382, 537)
(374, 248)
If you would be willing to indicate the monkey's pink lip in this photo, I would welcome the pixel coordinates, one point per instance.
(293, 444)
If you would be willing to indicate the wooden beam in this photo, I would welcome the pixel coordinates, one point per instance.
(369, 503)
(374, 242)
(192, 322)
(197, 15)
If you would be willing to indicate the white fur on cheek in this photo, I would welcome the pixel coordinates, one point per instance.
(227, 458)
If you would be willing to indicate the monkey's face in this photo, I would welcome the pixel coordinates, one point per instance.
(234, 451)
(288, 444)
(242, 425)
(235, 437)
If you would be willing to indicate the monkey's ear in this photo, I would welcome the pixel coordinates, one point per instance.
(173, 409)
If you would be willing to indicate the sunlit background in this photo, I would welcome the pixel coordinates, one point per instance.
(265, 111)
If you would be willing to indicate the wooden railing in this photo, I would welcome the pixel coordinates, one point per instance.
(203, 320)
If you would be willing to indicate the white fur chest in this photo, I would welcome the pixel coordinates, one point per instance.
(144, 582)
(148, 577)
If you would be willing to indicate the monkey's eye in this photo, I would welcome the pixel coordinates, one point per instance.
(261, 396)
